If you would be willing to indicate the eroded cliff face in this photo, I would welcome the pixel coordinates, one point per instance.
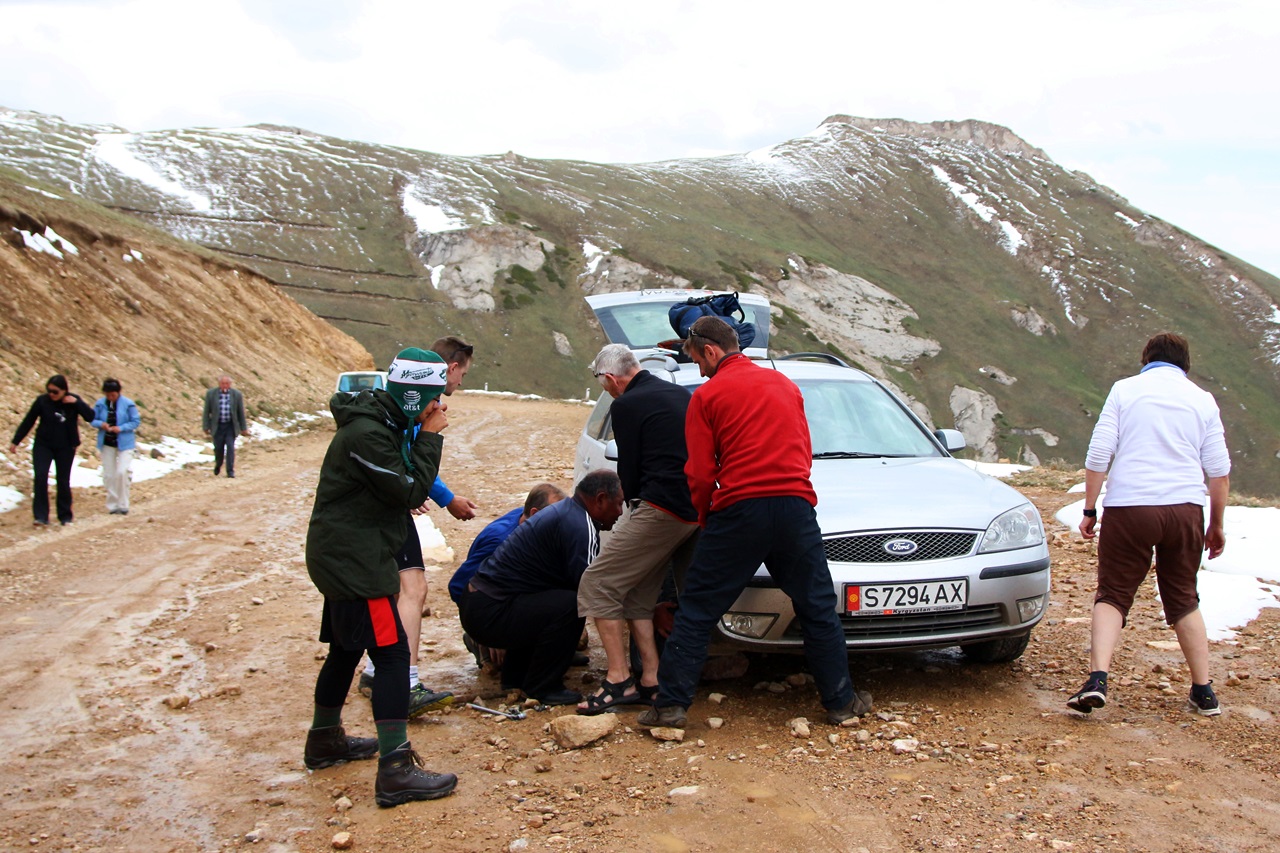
(92, 299)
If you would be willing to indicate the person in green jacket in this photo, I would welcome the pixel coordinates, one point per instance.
(376, 469)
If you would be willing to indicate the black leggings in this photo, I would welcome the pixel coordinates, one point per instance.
(42, 458)
(390, 679)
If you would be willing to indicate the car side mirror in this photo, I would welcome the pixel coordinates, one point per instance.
(611, 451)
(951, 439)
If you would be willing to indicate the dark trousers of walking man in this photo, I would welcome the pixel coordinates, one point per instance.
(224, 447)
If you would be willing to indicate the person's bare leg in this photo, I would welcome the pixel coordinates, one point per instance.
(1194, 640)
(1104, 635)
(642, 636)
(413, 595)
(613, 639)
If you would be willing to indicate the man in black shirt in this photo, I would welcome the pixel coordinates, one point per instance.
(622, 586)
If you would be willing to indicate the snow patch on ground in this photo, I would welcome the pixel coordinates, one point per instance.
(9, 498)
(1233, 587)
(428, 218)
(995, 469)
(112, 149)
(48, 242)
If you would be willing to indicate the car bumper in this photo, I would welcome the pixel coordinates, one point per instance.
(997, 584)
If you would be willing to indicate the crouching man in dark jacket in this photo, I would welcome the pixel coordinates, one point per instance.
(524, 598)
(374, 471)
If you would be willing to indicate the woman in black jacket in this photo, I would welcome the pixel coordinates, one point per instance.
(55, 442)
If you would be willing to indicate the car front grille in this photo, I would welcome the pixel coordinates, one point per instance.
(913, 625)
(869, 547)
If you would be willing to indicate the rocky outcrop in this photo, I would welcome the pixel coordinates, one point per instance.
(465, 264)
(861, 318)
(975, 413)
(997, 375)
(1031, 320)
(609, 273)
(993, 137)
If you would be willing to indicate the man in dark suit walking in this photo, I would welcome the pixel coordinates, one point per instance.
(223, 420)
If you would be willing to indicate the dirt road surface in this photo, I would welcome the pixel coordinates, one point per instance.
(156, 691)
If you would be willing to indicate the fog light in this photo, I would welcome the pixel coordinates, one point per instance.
(753, 625)
(1030, 608)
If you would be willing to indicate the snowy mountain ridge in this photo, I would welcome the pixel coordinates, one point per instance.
(937, 256)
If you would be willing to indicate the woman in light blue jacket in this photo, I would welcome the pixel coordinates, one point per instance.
(116, 418)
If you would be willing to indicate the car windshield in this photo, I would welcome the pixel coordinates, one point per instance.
(860, 419)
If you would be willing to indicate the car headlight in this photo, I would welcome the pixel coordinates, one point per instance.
(1020, 527)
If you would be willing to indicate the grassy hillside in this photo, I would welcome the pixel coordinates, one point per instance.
(396, 246)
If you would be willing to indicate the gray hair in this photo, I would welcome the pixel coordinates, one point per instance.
(616, 360)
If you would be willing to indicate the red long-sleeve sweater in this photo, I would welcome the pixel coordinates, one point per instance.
(747, 437)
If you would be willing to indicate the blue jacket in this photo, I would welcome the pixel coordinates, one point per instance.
(494, 534)
(127, 418)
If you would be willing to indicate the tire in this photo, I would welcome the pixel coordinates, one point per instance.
(999, 650)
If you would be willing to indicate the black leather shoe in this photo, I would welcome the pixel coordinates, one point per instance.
(402, 778)
(330, 745)
(560, 697)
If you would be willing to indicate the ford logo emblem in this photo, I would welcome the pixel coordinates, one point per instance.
(900, 547)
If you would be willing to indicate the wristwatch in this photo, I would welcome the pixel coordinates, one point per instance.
(1090, 513)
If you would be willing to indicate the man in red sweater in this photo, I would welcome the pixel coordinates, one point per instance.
(748, 471)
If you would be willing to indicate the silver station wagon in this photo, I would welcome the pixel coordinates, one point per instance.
(924, 551)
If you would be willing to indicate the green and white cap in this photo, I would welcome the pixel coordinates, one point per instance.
(415, 378)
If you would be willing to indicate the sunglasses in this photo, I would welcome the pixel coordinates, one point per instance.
(55, 392)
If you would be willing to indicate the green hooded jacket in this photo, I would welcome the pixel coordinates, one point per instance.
(360, 519)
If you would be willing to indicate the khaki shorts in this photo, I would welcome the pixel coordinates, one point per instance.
(625, 579)
(1127, 539)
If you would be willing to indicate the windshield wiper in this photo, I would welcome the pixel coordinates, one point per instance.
(858, 454)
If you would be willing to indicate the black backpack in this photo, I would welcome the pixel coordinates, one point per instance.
(723, 305)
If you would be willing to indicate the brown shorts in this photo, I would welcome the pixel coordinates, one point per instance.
(1130, 534)
(625, 580)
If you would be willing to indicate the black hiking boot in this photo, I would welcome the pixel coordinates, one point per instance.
(847, 716)
(331, 745)
(401, 778)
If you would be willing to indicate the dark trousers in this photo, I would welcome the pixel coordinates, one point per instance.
(41, 458)
(782, 533)
(224, 445)
(539, 631)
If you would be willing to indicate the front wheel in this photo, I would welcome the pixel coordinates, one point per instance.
(999, 650)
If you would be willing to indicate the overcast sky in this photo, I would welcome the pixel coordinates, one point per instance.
(1172, 103)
